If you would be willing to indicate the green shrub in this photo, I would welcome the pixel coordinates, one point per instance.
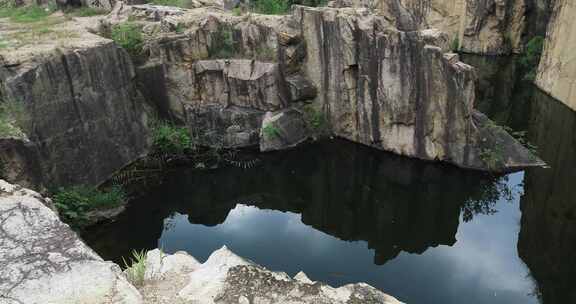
(73, 203)
(136, 268)
(316, 120)
(531, 57)
(13, 118)
(170, 139)
(129, 36)
(222, 44)
(271, 131)
(175, 3)
(455, 45)
(270, 7)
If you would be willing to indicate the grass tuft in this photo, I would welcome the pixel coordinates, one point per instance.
(136, 267)
(129, 36)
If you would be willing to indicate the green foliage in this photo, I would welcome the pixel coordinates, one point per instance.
(237, 11)
(316, 121)
(25, 14)
(271, 131)
(531, 57)
(522, 138)
(270, 7)
(492, 157)
(129, 36)
(180, 28)
(85, 11)
(170, 139)
(136, 268)
(13, 118)
(175, 3)
(222, 43)
(455, 45)
(73, 203)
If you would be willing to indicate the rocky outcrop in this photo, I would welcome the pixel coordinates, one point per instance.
(391, 90)
(557, 69)
(43, 261)
(282, 130)
(375, 84)
(228, 278)
(84, 118)
(476, 26)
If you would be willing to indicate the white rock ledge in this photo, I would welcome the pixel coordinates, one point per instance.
(43, 261)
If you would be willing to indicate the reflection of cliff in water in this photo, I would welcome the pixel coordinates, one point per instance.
(343, 189)
(547, 241)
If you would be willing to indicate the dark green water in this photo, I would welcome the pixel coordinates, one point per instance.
(422, 232)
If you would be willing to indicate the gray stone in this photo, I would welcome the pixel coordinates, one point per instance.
(84, 118)
(214, 125)
(282, 130)
(300, 88)
(228, 278)
(43, 261)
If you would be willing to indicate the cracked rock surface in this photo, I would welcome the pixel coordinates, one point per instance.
(43, 261)
(228, 278)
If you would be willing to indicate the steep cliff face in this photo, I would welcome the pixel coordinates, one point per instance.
(84, 120)
(557, 69)
(475, 26)
(395, 91)
(391, 89)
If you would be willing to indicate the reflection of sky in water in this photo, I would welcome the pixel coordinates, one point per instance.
(482, 267)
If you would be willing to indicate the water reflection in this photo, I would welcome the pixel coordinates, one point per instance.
(547, 239)
(337, 210)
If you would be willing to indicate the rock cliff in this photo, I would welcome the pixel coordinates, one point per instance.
(373, 83)
(83, 118)
(557, 69)
(490, 27)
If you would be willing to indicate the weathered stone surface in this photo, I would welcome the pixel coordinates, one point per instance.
(300, 88)
(390, 90)
(282, 130)
(480, 26)
(557, 69)
(84, 118)
(43, 261)
(225, 127)
(228, 278)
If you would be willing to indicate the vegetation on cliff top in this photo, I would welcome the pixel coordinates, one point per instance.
(129, 36)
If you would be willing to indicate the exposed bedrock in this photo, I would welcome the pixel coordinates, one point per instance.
(43, 261)
(557, 69)
(83, 117)
(391, 90)
(489, 27)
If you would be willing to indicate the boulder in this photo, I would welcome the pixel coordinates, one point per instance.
(282, 130)
(43, 261)
(217, 126)
(228, 278)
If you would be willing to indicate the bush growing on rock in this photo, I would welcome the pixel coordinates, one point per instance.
(74, 203)
(129, 36)
(170, 139)
(529, 61)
